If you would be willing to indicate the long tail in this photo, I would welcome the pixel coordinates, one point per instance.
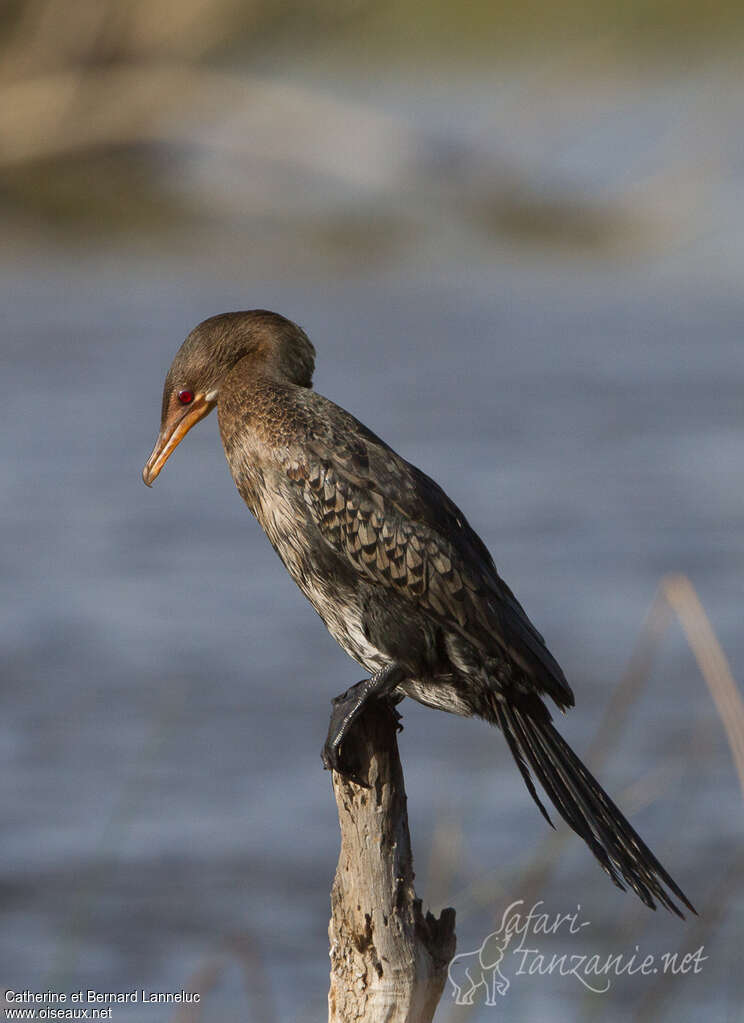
(584, 805)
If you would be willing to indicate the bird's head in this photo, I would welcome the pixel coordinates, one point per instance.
(272, 343)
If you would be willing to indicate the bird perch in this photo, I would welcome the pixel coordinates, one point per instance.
(388, 961)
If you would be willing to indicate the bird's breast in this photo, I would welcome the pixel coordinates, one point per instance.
(322, 574)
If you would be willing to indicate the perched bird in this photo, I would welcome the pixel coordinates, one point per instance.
(391, 565)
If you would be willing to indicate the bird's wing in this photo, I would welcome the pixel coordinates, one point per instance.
(400, 530)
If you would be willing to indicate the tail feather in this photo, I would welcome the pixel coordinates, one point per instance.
(584, 805)
(563, 796)
(508, 732)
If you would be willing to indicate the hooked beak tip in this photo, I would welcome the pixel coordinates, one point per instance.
(170, 436)
(152, 468)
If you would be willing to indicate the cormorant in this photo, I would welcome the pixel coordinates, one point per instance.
(391, 565)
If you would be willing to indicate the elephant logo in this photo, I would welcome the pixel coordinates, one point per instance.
(469, 971)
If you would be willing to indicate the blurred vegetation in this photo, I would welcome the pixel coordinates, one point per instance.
(102, 99)
(46, 34)
(483, 27)
(78, 141)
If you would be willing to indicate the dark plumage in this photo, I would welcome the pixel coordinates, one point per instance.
(391, 565)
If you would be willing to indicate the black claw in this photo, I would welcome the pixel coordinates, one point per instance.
(397, 717)
(333, 761)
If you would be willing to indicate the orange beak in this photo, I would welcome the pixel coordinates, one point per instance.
(172, 433)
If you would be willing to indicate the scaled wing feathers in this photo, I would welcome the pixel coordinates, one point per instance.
(419, 544)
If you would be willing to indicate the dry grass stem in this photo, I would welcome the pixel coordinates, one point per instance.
(714, 667)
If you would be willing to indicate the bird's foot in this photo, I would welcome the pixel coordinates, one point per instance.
(338, 753)
(346, 709)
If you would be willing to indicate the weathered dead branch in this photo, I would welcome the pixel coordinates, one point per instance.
(388, 960)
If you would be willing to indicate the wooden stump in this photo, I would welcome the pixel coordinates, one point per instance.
(388, 961)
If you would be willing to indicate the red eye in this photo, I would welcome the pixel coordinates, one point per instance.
(185, 397)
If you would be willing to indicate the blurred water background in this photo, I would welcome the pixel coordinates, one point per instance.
(514, 234)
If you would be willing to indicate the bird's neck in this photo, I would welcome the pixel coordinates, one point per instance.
(259, 417)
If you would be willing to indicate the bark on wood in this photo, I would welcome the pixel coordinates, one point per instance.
(388, 961)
